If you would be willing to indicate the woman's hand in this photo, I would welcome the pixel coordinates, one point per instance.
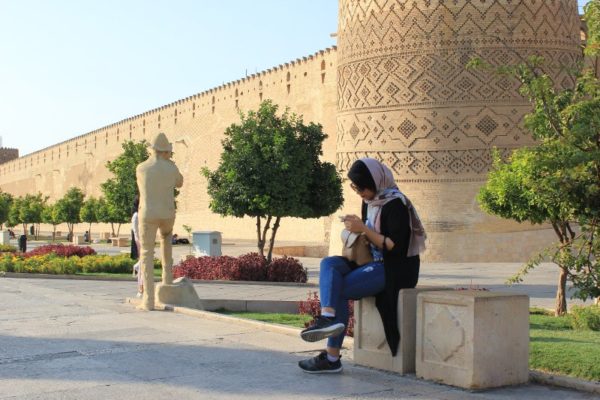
(354, 224)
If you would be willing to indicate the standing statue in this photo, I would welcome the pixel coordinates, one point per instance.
(157, 178)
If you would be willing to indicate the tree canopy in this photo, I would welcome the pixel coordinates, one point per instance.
(26, 210)
(5, 202)
(68, 208)
(120, 190)
(270, 168)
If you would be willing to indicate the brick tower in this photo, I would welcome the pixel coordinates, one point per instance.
(7, 154)
(406, 98)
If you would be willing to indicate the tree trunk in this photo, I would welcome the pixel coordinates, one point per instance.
(260, 243)
(90, 233)
(272, 241)
(53, 232)
(112, 229)
(561, 293)
(118, 229)
(25, 229)
(71, 228)
(263, 236)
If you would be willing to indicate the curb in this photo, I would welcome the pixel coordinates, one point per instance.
(27, 275)
(265, 326)
(564, 382)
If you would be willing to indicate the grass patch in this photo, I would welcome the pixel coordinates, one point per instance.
(295, 320)
(554, 346)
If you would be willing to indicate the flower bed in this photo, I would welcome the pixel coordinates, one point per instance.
(7, 248)
(61, 250)
(249, 267)
(55, 264)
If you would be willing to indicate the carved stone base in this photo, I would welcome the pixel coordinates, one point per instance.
(370, 346)
(473, 339)
(180, 293)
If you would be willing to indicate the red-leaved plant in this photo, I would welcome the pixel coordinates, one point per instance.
(61, 250)
(312, 307)
(248, 267)
(286, 269)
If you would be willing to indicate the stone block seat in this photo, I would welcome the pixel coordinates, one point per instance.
(370, 346)
(473, 339)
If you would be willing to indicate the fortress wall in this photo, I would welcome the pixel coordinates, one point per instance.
(195, 125)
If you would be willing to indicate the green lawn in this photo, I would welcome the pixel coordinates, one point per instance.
(554, 346)
(294, 320)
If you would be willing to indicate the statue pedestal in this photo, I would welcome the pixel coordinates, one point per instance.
(180, 293)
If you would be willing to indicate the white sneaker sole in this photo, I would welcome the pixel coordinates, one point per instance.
(325, 371)
(323, 333)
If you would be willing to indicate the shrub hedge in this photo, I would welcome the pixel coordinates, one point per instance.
(248, 267)
(61, 250)
(54, 264)
(7, 248)
(585, 318)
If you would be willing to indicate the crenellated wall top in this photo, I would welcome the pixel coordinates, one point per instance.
(252, 78)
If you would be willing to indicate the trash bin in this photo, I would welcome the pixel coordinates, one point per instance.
(207, 243)
(4, 237)
(23, 243)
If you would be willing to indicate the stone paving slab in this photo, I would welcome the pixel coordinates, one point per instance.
(77, 340)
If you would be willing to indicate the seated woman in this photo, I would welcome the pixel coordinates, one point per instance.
(396, 238)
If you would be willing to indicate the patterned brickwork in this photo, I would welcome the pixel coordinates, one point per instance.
(405, 94)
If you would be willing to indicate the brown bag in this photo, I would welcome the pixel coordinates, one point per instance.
(356, 248)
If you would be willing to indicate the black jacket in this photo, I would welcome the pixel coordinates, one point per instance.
(400, 271)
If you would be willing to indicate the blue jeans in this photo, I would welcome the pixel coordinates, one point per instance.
(338, 283)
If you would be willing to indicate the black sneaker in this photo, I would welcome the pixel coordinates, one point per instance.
(321, 365)
(322, 328)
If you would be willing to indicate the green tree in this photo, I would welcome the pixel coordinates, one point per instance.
(88, 213)
(592, 19)
(69, 207)
(50, 216)
(14, 214)
(26, 210)
(270, 169)
(104, 214)
(5, 201)
(33, 212)
(557, 181)
(120, 190)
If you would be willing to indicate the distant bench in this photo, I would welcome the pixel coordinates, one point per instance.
(119, 242)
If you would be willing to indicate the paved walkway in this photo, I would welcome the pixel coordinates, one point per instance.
(67, 339)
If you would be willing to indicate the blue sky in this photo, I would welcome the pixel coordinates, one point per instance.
(70, 66)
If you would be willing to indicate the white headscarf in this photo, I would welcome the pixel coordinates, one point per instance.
(387, 190)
